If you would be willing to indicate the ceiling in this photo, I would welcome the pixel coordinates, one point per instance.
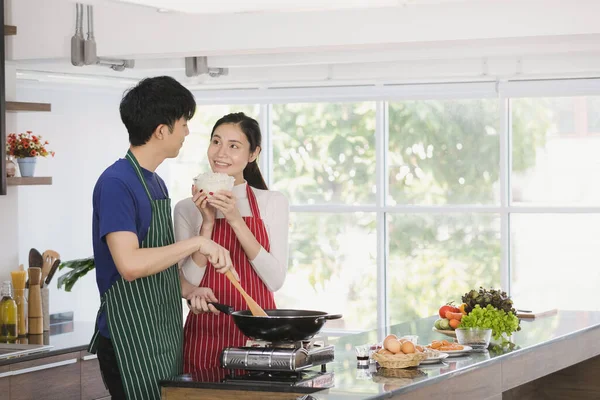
(263, 6)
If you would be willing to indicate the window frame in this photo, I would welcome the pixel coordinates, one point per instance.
(382, 94)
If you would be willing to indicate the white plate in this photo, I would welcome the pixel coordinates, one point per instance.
(456, 353)
(436, 359)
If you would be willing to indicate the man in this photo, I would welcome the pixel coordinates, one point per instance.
(139, 335)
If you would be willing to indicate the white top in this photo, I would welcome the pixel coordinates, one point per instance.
(271, 267)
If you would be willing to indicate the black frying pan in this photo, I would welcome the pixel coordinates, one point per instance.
(281, 325)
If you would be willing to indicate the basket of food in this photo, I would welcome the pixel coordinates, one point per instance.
(399, 360)
(399, 353)
(393, 374)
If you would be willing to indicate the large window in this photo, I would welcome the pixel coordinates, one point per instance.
(555, 164)
(398, 206)
(324, 153)
(444, 152)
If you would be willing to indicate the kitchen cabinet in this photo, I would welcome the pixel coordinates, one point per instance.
(56, 377)
(74, 375)
(92, 386)
(4, 383)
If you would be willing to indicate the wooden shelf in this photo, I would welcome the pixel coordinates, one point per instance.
(34, 180)
(10, 30)
(19, 106)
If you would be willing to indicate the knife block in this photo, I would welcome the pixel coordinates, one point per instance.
(36, 325)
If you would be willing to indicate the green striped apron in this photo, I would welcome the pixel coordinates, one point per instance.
(145, 316)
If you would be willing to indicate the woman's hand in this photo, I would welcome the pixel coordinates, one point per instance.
(225, 201)
(208, 212)
(199, 298)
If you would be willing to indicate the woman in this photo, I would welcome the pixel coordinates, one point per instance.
(250, 221)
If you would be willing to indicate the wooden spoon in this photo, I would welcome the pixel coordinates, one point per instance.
(49, 256)
(255, 309)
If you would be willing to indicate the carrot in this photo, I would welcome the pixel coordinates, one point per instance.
(454, 323)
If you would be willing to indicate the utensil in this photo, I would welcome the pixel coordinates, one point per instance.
(280, 325)
(49, 257)
(530, 314)
(35, 261)
(52, 271)
(255, 309)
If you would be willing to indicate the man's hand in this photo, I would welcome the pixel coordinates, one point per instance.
(217, 255)
(199, 298)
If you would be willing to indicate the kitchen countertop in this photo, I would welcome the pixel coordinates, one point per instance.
(352, 382)
(65, 338)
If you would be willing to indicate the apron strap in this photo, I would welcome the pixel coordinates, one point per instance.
(252, 201)
(138, 170)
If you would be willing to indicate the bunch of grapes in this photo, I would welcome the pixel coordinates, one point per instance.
(490, 317)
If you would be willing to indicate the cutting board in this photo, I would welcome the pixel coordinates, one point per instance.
(536, 313)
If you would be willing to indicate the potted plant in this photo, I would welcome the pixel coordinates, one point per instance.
(78, 268)
(26, 147)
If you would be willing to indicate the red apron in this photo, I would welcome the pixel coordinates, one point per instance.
(206, 335)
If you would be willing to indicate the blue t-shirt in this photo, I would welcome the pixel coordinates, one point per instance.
(120, 203)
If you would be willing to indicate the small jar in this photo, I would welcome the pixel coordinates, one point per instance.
(11, 167)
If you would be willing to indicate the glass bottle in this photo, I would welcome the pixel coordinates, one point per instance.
(21, 312)
(11, 167)
(8, 314)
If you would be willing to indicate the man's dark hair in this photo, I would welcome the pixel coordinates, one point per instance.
(154, 101)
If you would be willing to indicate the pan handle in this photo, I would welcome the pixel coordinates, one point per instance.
(328, 316)
(224, 308)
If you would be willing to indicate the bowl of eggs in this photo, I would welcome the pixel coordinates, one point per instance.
(399, 353)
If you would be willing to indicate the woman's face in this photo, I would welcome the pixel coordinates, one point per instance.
(229, 151)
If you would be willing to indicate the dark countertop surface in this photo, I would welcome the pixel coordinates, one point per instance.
(64, 338)
(352, 382)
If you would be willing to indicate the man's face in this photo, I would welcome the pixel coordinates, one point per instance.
(174, 140)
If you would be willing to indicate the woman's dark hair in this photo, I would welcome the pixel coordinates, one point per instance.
(154, 101)
(251, 129)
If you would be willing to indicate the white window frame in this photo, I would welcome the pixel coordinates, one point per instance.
(382, 94)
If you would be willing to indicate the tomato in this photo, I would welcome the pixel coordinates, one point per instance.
(447, 307)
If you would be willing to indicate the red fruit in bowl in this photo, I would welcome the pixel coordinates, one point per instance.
(446, 308)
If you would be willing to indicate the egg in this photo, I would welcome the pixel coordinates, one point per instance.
(384, 352)
(408, 348)
(394, 346)
(391, 343)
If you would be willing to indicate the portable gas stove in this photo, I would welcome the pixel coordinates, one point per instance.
(283, 357)
(308, 381)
